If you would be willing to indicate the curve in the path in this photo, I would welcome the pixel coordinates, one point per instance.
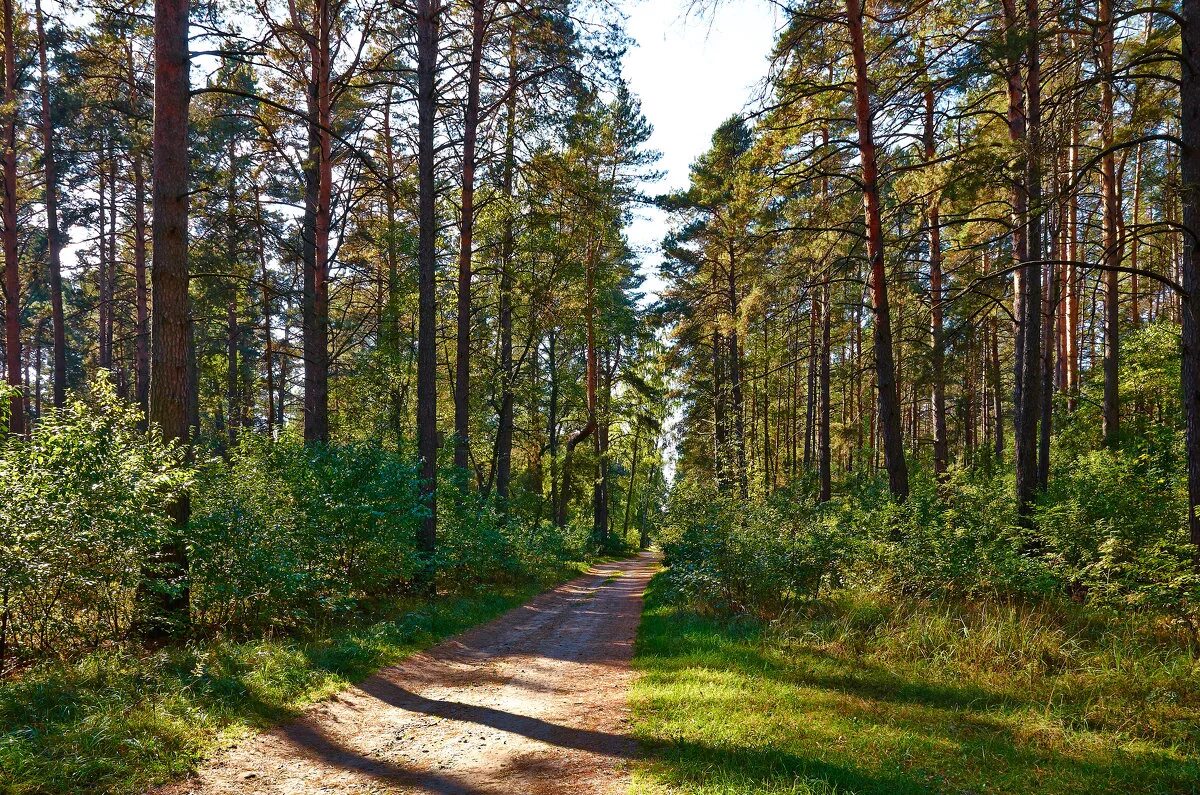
(533, 702)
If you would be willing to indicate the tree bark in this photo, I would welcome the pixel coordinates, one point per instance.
(824, 474)
(172, 385)
(54, 238)
(1111, 211)
(505, 421)
(1189, 161)
(941, 447)
(428, 22)
(462, 377)
(318, 174)
(885, 370)
(12, 277)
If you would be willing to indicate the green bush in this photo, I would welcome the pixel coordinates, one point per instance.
(1110, 530)
(760, 556)
(955, 538)
(285, 532)
(1114, 524)
(82, 503)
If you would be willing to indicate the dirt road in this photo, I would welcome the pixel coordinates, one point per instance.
(533, 702)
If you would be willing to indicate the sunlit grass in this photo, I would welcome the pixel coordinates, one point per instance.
(869, 696)
(119, 721)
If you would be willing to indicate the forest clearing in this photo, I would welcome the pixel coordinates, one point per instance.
(650, 397)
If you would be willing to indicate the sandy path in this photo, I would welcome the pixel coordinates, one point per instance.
(533, 702)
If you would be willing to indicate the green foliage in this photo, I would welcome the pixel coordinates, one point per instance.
(82, 504)
(285, 532)
(1113, 524)
(763, 556)
(1110, 529)
(957, 538)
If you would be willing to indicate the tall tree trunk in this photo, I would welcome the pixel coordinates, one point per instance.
(1189, 163)
(591, 383)
(462, 377)
(231, 372)
(390, 330)
(504, 423)
(12, 273)
(600, 512)
(110, 335)
(428, 23)
(630, 490)
(1024, 128)
(885, 370)
(141, 362)
(824, 475)
(720, 435)
(810, 395)
(318, 173)
(1071, 333)
(941, 447)
(172, 384)
(558, 510)
(1135, 308)
(997, 388)
(822, 409)
(1049, 307)
(735, 377)
(1111, 210)
(54, 238)
(268, 337)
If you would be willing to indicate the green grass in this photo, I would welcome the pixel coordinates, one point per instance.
(870, 696)
(119, 721)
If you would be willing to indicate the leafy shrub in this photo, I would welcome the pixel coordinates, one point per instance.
(1115, 526)
(82, 502)
(760, 556)
(956, 538)
(286, 532)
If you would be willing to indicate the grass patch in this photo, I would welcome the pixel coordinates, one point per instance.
(870, 696)
(119, 721)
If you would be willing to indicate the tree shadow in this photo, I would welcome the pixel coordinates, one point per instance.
(862, 728)
(597, 742)
(313, 741)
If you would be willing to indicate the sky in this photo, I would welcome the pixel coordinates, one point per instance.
(690, 74)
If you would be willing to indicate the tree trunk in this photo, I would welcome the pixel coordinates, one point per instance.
(428, 13)
(824, 475)
(172, 385)
(1189, 162)
(462, 377)
(735, 378)
(591, 382)
(1071, 312)
(505, 421)
(268, 341)
(54, 238)
(1024, 127)
(941, 448)
(885, 370)
(318, 173)
(1111, 210)
(629, 492)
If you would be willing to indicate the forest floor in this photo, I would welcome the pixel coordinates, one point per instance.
(526, 703)
(872, 698)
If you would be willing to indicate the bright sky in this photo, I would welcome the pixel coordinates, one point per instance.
(691, 74)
